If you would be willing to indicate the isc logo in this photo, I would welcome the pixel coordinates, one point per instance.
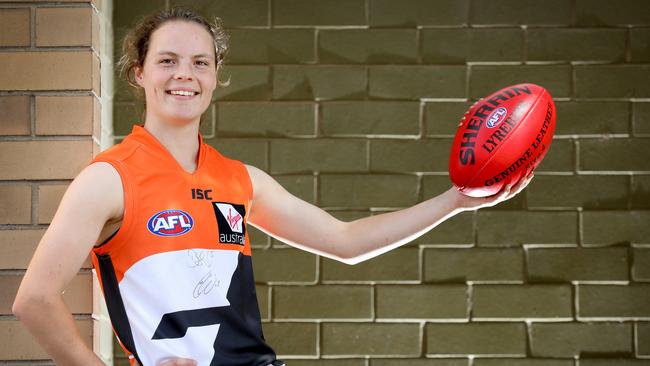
(170, 223)
(496, 117)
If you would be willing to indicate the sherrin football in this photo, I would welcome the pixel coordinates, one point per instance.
(502, 138)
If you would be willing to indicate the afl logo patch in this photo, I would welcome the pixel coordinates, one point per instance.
(496, 117)
(170, 223)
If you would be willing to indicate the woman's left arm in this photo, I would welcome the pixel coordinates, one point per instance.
(303, 225)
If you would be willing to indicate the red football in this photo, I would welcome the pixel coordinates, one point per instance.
(502, 138)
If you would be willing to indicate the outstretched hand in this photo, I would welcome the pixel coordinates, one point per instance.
(473, 203)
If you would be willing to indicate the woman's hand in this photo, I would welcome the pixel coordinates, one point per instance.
(468, 203)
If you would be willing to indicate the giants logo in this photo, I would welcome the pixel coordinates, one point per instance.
(230, 218)
(170, 223)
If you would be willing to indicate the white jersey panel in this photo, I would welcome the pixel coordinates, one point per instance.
(200, 278)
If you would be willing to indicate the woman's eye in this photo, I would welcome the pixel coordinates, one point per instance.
(166, 61)
(202, 63)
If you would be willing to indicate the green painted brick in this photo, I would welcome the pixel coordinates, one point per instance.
(486, 79)
(586, 191)
(428, 155)
(272, 265)
(612, 81)
(282, 337)
(416, 82)
(474, 264)
(530, 12)
(326, 155)
(641, 118)
(397, 265)
(560, 157)
(389, 13)
(504, 228)
(442, 118)
(615, 154)
(434, 185)
(233, 12)
(479, 339)
(322, 302)
(262, 292)
(319, 82)
(123, 92)
(452, 232)
(422, 302)
(301, 186)
(641, 264)
(453, 46)
(125, 115)
(591, 118)
(570, 44)
(126, 13)
(623, 302)
(369, 118)
(258, 238)
(315, 12)
(640, 194)
(522, 362)
(577, 264)
(265, 119)
(574, 339)
(249, 151)
(522, 301)
(640, 44)
(611, 227)
(368, 190)
(321, 362)
(614, 361)
(377, 339)
(604, 12)
(419, 362)
(643, 338)
(368, 46)
(246, 83)
(263, 46)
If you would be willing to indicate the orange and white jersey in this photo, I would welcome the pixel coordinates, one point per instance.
(177, 276)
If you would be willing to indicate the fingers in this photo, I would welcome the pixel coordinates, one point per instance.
(522, 184)
(178, 362)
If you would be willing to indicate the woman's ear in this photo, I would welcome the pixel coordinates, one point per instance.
(137, 71)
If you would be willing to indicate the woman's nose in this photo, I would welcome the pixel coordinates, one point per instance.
(184, 71)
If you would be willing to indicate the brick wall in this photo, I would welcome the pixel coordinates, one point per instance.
(49, 130)
(352, 105)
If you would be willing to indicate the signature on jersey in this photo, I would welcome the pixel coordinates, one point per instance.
(205, 285)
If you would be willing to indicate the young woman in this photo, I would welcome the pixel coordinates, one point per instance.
(165, 216)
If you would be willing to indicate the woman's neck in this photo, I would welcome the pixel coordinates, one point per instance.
(180, 140)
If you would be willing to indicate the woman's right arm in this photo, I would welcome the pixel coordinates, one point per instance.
(94, 198)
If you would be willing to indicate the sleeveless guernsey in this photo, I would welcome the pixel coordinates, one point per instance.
(177, 276)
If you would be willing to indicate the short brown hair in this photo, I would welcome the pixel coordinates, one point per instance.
(136, 43)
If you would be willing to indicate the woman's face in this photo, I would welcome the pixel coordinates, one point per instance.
(179, 72)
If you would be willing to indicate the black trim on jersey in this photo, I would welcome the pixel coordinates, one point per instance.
(114, 303)
(108, 239)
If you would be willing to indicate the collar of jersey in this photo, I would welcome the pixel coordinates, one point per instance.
(142, 136)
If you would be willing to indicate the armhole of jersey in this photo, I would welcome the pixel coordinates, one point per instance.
(246, 177)
(122, 232)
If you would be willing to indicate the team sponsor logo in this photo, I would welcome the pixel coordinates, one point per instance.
(170, 223)
(496, 117)
(230, 219)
